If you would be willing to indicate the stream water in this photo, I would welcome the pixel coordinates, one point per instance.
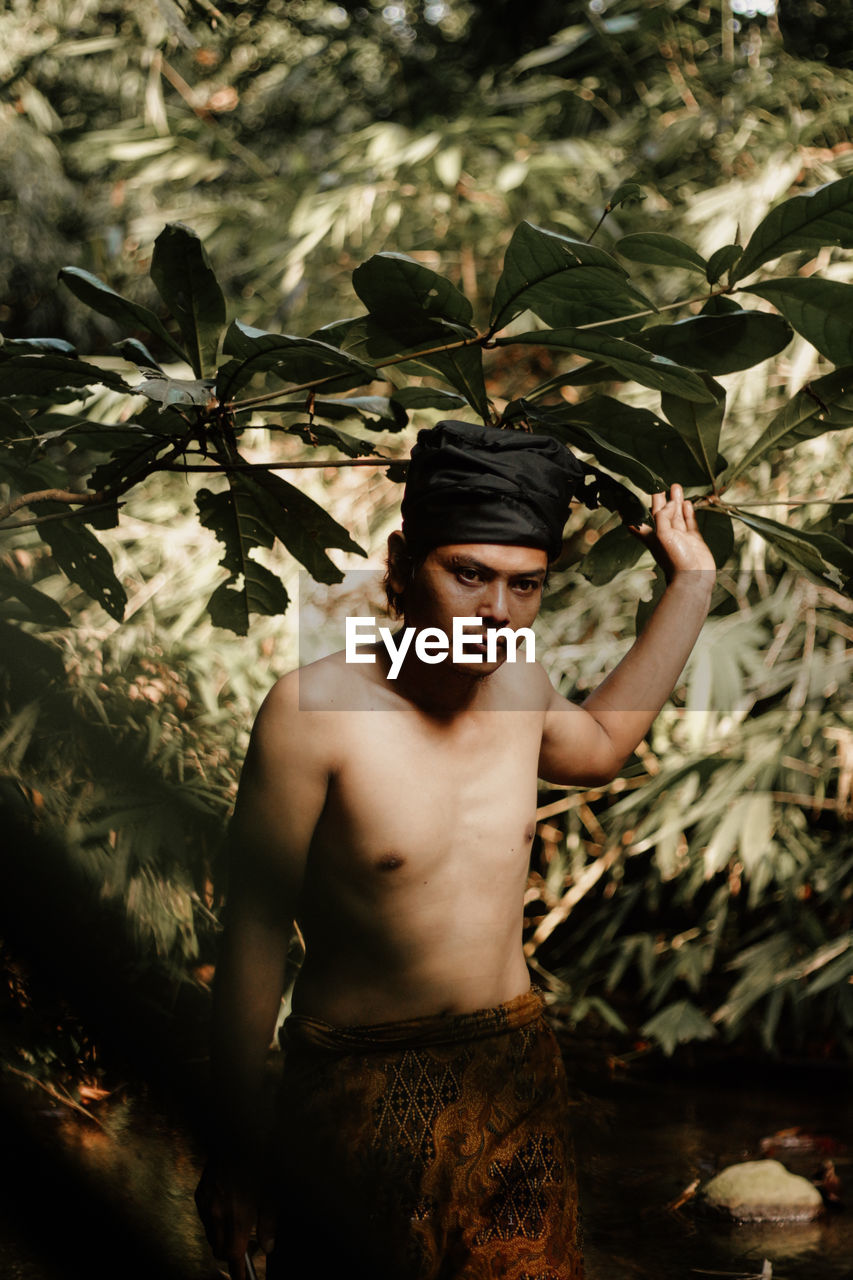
(641, 1140)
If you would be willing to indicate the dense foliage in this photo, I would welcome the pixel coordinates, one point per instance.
(701, 334)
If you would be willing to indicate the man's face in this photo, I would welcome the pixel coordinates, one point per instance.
(500, 585)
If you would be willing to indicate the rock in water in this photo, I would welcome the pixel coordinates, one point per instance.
(762, 1191)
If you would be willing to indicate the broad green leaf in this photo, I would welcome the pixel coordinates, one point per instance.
(13, 425)
(699, 425)
(721, 261)
(660, 250)
(428, 398)
(181, 270)
(304, 527)
(83, 559)
(677, 1024)
(43, 375)
(718, 344)
(822, 557)
(382, 413)
(317, 433)
(401, 292)
(292, 359)
(137, 353)
(562, 280)
(634, 442)
(29, 660)
(717, 530)
(40, 607)
(614, 551)
(260, 592)
(626, 192)
(35, 346)
(820, 310)
(166, 391)
(823, 405)
(251, 587)
(460, 365)
(128, 464)
(626, 358)
(808, 221)
(101, 298)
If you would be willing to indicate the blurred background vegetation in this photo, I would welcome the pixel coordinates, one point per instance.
(706, 895)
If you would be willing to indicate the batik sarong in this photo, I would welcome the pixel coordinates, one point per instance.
(431, 1149)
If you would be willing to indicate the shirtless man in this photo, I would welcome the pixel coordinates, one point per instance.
(394, 821)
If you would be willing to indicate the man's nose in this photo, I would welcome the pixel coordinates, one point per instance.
(495, 602)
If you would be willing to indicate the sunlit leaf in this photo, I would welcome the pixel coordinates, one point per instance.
(821, 310)
(181, 270)
(808, 221)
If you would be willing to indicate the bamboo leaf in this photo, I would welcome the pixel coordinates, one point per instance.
(820, 310)
(677, 1024)
(626, 358)
(562, 280)
(660, 250)
(826, 404)
(808, 221)
(181, 270)
(101, 298)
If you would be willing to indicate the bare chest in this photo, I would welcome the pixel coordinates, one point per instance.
(411, 798)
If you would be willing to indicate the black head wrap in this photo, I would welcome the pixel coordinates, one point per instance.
(471, 483)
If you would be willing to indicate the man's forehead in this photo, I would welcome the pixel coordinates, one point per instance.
(496, 556)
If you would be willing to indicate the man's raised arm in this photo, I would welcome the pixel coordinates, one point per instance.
(281, 795)
(589, 744)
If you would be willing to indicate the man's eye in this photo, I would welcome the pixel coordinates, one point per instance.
(468, 575)
(527, 585)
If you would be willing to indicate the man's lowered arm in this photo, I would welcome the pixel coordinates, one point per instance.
(281, 795)
(589, 744)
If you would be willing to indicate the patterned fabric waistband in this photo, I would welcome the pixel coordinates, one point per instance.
(305, 1032)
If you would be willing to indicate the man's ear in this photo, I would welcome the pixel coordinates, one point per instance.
(399, 562)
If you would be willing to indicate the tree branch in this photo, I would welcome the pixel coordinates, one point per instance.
(50, 495)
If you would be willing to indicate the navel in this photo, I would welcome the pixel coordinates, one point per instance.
(529, 832)
(390, 862)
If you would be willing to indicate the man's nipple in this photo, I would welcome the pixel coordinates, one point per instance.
(390, 862)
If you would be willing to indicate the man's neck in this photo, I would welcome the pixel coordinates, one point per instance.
(439, 689)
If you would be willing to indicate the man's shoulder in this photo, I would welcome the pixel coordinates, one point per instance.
(312, 688)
